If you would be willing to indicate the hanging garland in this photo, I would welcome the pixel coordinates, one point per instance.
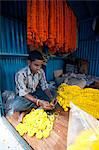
(53, 23)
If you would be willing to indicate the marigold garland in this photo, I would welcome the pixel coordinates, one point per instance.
(87, 99)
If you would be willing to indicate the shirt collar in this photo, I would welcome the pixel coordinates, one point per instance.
(30, 73)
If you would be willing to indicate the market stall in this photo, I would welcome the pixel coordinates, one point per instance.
(67, 34)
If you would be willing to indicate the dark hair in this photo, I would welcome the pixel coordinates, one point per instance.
(33, 55)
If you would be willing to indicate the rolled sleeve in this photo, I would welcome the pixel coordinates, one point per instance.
(43, 81)
(21, 89)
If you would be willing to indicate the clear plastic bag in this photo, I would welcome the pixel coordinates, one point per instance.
(83, 130)
(8, 98)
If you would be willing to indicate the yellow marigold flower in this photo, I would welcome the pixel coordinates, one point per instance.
(39, 135)
(46, 133)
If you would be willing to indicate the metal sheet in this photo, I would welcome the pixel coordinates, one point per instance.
(52, 65)
(9, 66)
(88, 47)
(12, 36)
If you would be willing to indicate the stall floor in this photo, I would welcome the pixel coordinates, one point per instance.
(56, 140)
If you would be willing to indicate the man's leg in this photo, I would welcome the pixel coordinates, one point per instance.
(22, 105)
(40, 94)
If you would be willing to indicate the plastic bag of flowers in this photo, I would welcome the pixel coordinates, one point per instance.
(83, 130)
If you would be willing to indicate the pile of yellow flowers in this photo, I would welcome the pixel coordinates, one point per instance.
(86, 140)
(38, 123)
(87, 99)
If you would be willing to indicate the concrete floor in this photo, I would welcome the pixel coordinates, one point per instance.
(7, 139)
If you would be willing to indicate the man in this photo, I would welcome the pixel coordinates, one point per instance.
(31, 86)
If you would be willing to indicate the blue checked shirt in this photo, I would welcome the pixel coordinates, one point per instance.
(26, 82)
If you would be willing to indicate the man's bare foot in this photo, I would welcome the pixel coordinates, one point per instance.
(21, 117)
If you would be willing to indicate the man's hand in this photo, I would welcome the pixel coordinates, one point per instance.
(45, 105)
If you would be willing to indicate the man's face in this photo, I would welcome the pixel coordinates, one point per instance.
(36, 65)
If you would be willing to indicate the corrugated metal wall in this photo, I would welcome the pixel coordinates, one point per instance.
(9, 66)
(14, 9)
(88, 47)
(12, 39)
(52, 65)
(12, 50)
